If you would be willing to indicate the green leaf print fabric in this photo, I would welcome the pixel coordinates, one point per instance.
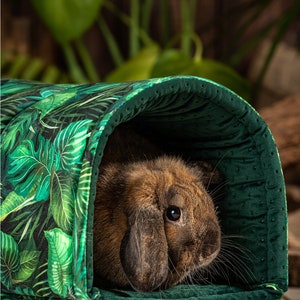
(59, 261)
(52, 141)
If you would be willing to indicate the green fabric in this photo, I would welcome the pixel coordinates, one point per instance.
(52, 140)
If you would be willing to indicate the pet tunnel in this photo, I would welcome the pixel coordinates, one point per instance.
(52, 142)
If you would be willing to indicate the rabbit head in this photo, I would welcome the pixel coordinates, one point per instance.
(155, 223)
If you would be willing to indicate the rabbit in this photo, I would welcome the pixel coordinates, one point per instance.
(155, 223)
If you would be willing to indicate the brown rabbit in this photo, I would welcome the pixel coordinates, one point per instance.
(154, 221)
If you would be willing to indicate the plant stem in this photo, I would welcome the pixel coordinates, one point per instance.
(17, 65)
(75, 71)
(33, 69)
(134, 28)
(111, 42)
(198, 47)
(142, 34)
(146, 15)
(51, 75)
(86, 60)
(187, 24)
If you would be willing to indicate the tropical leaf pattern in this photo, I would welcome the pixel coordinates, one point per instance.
(49, 139)
(52, 138)
(28, 263)
(10, 259)
(59, 261)
(61, 200)
(70, 144)
(30, 169)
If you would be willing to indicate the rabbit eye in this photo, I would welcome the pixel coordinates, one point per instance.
(173, 213)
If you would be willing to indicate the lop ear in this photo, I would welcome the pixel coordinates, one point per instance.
(144, 250)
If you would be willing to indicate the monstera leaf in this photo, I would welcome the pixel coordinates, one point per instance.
(59, 261)
(10, 258)
(30, 169)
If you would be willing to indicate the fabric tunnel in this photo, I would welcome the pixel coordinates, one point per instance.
(52, 142)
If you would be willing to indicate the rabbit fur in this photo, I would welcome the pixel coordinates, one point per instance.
(155, 223)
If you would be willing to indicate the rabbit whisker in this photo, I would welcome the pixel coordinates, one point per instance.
(215, 169)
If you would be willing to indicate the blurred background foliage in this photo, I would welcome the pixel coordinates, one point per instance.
(85, 41)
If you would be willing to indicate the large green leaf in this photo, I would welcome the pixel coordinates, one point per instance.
(171, 62)
(10, 258)
(175, 62)
(59, 261)
(67, 19)
(30, 169)
(137, 68)
(62, 197)
(28, 263)
(70, 143)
